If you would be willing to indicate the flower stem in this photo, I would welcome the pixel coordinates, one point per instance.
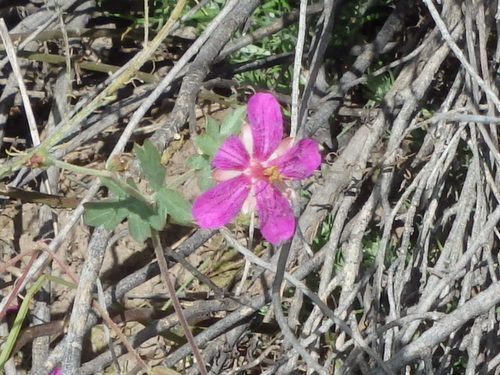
(81, 170)
(134, 193)
(166, 276)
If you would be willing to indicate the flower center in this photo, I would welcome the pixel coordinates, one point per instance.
(257, 171)
(273, 174)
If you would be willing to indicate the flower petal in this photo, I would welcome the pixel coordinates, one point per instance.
(220, 204)
(285, 145)
(276, 218)
(300, 161)
(219, 175)
(246, 138)
(231, 155)
(266, 121)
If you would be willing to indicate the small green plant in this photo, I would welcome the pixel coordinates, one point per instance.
(206, 14)
(371, 247)
(377, 87)
(278, 76)
(159, 11)
(460, 363)
(144, 212)
(354, 16)
(323, 234)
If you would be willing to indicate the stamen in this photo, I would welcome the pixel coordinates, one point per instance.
(273, 174)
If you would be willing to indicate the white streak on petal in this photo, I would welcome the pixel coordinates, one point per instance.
(285, 145)
(219, 175)
(247, 138)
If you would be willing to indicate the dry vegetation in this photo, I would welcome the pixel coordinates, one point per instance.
(395, 265)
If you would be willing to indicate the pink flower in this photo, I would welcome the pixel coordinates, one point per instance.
(252, 170)
(56, 371)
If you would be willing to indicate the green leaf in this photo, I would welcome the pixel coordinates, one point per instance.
(149, 158)
(252, 49)
(205, 180)
(210, 142)
(140, 218)
(207, 144)
(175, 204)
(139, 208)
(198, 162)
(114, 187)
(112, 212)
(132, 183)
(158, 219)
(233, 120)
(212, 127)
(138, 228)
(108, 213)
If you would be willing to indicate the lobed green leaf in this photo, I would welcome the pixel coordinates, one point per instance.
(108, 213)
(232, 121)
(212, 127)
(198, 162)
(158, 219)
(207, 144)
(174, 204)
(205, 180)
(114, 187)
(138, 228)
(112, 212)
(149, 158)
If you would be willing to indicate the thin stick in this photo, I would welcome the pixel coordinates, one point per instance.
(17, 287)
(171, 75)
(14, 260)
(459, 54)
(246, 269)
(58, 240)
(297, 64)
(29, 38)
(101, 302)
(280, 317)
(458, 117)
(86, 65)
(11, 54)
(346, 86)
(318, 55)
(99, 306)
(146, 22)
(165, 274)
(266, 30)
(116, 81)
(304, 289)
(35, 136)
